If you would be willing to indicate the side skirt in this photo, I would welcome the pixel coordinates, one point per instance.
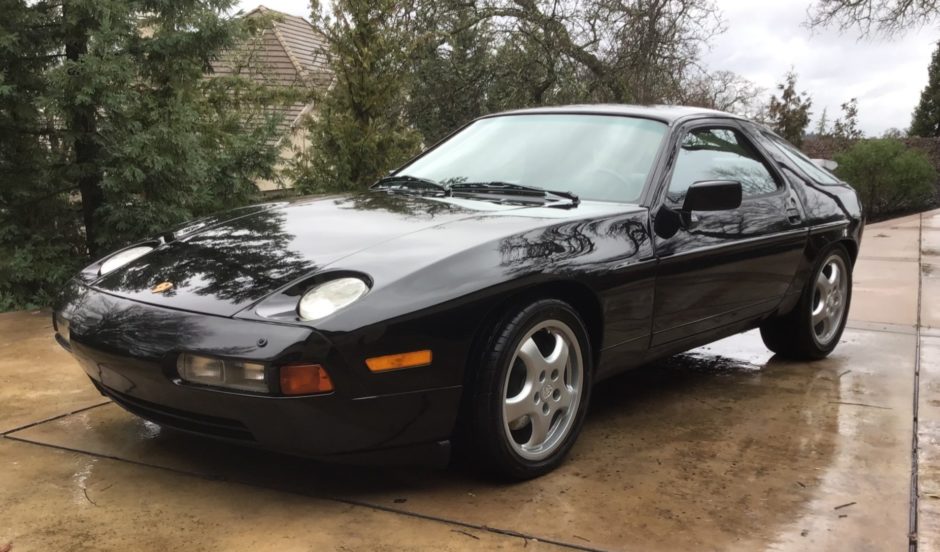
(613, 361)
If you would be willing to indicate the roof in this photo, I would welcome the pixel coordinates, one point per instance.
(665, 113)
(289, 53)
(305, 47)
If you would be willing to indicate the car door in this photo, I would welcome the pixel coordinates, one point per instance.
(721, 268)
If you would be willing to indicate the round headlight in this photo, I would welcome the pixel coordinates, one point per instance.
(329, 297)
(118, 260)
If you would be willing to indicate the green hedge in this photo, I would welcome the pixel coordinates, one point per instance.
(889, 177)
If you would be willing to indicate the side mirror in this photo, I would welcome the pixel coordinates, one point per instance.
(712, 195)
(707, 195)
(827, 164)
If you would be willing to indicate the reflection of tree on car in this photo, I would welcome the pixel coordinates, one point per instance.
(555, 247)
(226, 258)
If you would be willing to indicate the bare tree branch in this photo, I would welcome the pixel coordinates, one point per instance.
(887, 17)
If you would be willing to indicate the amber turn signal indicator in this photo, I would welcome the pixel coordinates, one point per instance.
(399, 361)
(304, 379)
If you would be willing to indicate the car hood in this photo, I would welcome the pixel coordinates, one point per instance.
(223, 264)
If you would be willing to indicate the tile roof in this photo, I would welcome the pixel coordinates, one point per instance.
(290, 53)
(303, 43)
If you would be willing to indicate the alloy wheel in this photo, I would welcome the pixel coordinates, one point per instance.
(829, 299)
(542, 389)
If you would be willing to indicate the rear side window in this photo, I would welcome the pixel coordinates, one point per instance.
(719, 154)
(814, 171)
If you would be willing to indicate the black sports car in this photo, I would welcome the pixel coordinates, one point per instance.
(477, 293)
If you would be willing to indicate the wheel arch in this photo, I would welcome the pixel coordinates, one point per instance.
(852, 247)
(581, 298)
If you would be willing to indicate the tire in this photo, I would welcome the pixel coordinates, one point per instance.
(802, 335)
(525, 375)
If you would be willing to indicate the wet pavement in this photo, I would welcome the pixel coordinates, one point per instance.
(722, 448)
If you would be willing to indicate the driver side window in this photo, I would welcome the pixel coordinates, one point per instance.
(719, 154)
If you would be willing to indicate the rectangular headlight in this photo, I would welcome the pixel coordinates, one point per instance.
(232, 374)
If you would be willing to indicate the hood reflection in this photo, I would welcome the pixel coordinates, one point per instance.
(410, 205)
(226, 261)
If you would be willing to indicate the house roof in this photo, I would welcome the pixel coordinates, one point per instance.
(291, 52)
(304, 46)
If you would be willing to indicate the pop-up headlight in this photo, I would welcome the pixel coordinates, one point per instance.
(328, 297)
(122, 258)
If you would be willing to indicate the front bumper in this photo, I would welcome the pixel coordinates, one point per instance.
(129, 351)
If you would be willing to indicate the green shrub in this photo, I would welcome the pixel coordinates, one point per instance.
(889, 177)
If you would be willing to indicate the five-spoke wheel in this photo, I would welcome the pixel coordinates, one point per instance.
(530, 393)
(812, 329)
(829, 298)
(542, 389)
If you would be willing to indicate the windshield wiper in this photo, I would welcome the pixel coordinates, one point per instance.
(404, 181)
(570, 196)
(509, 188)
(400, 181)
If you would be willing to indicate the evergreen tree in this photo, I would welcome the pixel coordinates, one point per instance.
(532, 69)
(451, 71)
(151, 137)
(108, 104)
(789, 114)
(822, 125)
(926, 117)
(846, 126)
(360, 131)
(40, 241)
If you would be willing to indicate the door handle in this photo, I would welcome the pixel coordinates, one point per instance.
(793, 215)
(793, 212)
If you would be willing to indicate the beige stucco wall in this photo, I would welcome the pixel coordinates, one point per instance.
(291, 146)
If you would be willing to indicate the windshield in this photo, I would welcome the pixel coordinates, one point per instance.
(599, 157)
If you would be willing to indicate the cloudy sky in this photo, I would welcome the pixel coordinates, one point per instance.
(765, 38)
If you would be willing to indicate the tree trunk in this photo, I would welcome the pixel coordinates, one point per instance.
(83, 127)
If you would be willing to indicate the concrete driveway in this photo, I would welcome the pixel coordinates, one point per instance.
(724, 448)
